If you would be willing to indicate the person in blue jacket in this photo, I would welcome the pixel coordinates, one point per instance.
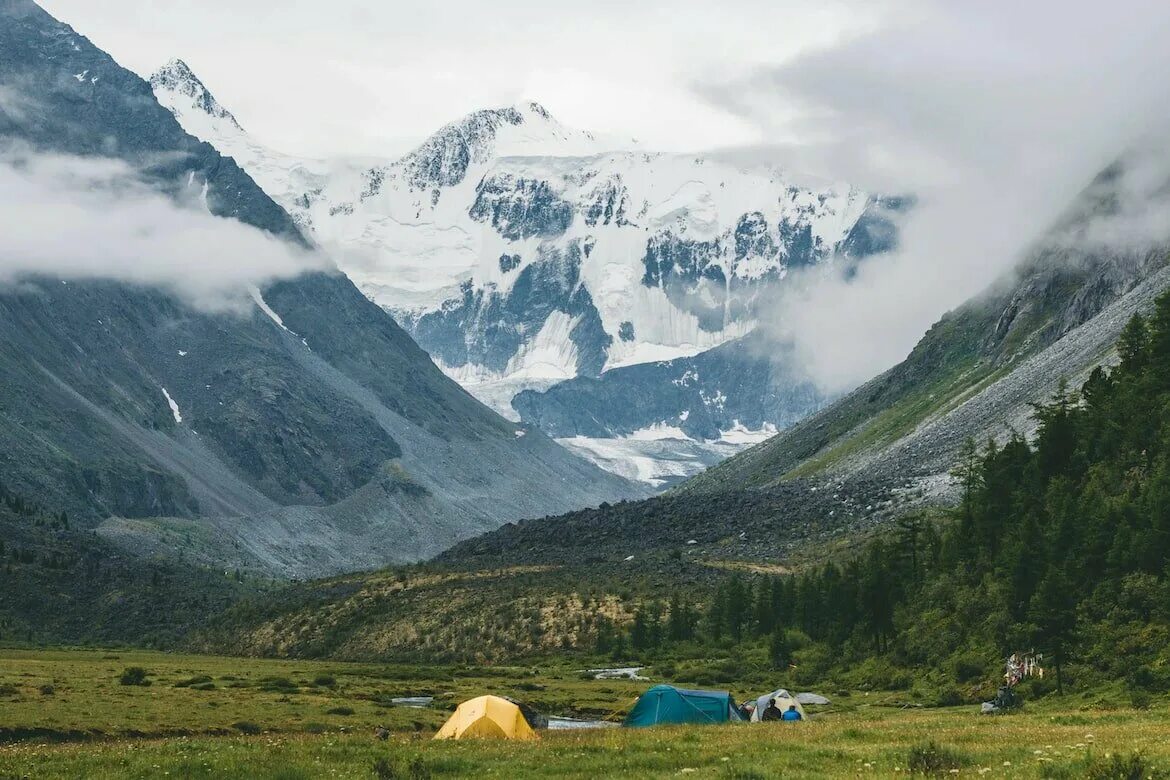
(791, 713)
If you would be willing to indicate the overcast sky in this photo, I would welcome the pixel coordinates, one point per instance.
(354, 76)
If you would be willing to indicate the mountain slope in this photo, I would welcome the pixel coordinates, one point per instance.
(305, 433)
(977, 371)
(521, 253)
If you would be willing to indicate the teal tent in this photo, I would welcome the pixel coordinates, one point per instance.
(667, 704)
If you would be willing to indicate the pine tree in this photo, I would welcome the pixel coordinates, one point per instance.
(779, 649)
(737, 608)
(1053, 613)
(1133, 345)
(762, 613)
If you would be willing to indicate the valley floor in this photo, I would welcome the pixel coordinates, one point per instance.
(64, 713)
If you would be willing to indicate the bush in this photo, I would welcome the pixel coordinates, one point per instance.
(47, 690)
(324, 681)
(1147, 678)
(1140, 700)
(930, 758)
(339, 711)
(969, 668)
(8, 689)
(190, 681)
(134, 675)
(948, 697)
(1117, 767)
(279, 685)
(1037, 687)
(246, 727)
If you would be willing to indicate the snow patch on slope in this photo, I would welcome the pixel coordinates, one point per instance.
(174, 407)
(662, 454)
(264, 307)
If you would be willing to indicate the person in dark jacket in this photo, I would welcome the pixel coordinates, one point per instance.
(791, 713)
(772, 712)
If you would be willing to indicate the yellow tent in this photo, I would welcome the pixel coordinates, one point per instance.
(486, 716)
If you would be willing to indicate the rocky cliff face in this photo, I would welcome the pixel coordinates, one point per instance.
(304, 433)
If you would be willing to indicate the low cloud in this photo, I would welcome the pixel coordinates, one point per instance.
(996, 115)
(90, 218)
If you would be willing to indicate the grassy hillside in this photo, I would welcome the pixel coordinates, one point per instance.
(64, 584)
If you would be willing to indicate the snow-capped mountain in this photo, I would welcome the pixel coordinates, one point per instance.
(284, 178)
(521, 253)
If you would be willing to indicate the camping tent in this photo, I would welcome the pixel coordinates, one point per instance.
(667, 704)
(486, 716)
(784, 700)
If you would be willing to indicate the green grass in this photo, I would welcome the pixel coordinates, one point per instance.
(93, 727)
(89, 701)
(903, 417)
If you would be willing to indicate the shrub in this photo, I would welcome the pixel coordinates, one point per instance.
(1133, 767)
(1147, 678)
(1037, 687)
(969, 667)
(8, 689)
(47, 690)
(190, 681)
(339, 711)
(325, 681)
(134, 675)
(246, 727)
(930, 758)
(1140, 700)
(278, 685)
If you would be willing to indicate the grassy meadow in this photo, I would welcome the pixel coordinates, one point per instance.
(65, 713)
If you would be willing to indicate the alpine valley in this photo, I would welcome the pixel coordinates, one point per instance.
(601, 292)
(294, 432)
(307, 465)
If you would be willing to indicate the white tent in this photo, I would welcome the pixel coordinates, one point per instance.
(784, 700)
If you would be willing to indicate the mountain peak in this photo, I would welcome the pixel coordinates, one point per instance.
(522, 130)
(538, 109)
(179, 89)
